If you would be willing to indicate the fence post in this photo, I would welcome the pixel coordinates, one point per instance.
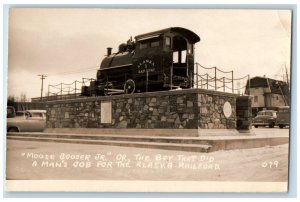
(249, 84)
(147, 80)
(206, 80)
(223, 84)
(171, 77)
(48, 90)
(197, 75)
(75, 88)
(61, 91)
(215, 78)
(232, 81)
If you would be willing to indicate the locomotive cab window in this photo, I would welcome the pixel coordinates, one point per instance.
(179, 57)
(154, 44)
(168, 41)
(183, 56)
(175, 57)
(143, 44)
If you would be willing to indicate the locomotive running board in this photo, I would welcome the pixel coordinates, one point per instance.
(168, 85)
(114, 91)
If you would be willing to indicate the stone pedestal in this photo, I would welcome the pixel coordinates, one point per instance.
(178, 109)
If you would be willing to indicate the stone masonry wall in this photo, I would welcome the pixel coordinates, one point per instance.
(211, 114)
(192, 108)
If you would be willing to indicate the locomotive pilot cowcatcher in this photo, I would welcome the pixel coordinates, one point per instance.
(155, 61)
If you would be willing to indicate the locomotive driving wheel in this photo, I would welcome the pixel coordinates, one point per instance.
(129, 86)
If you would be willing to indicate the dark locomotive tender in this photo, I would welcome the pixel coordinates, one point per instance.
(155, 61)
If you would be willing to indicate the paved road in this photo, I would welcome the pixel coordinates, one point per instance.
(46, 160)
(274, 132)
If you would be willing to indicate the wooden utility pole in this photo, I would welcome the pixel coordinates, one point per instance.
(42, 78)
(287, 76)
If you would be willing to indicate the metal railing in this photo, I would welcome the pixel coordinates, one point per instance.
(208, 80)
(213, 82)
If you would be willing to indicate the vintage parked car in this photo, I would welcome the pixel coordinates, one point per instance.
(283, 116)
(10, 112)
(265, 118)
(27, 121)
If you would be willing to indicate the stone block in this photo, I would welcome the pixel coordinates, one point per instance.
(151, 104)
(164, 103)
(191, 116)
(217, 121)
(179, 100)
(155, 112)
(122, 124)
(199, 104)
(153, 100)
(92, 115)
(185, 116)
(181, 105)
(203, 110)
(189, 104)
(177, 120)
(146, 107)
(170, 120)
(154, 118)
(210, 125)
(161, 110)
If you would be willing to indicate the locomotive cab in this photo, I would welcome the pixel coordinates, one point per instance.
(165, 59)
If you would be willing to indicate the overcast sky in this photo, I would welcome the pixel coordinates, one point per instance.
(69, 44)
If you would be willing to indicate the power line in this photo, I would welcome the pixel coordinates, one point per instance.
(91, 68)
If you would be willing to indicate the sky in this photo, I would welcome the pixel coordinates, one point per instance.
(69, 44)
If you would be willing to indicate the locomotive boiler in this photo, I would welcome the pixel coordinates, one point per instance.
(155, 61)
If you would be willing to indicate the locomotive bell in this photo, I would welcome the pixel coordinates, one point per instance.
(109, 51)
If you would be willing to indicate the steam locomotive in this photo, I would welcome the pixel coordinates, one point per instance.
(155, 61)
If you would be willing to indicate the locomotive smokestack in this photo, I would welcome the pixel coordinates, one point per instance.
(109, 51)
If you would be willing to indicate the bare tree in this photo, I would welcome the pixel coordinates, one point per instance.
(23, 97)
(11, 100)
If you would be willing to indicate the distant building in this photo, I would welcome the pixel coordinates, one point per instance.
(267, 93)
